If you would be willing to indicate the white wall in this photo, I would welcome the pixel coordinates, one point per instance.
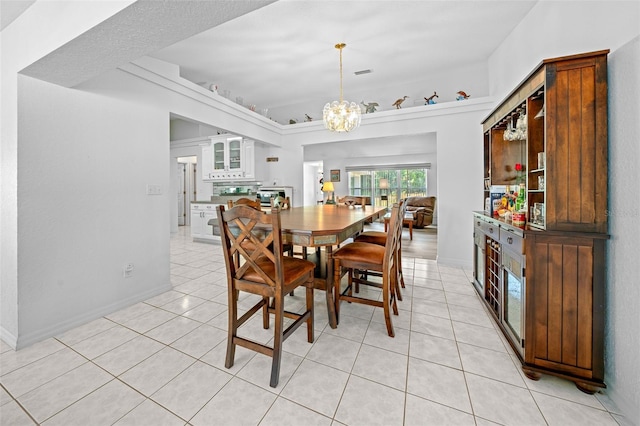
(28, 38)
(560, 28)
(82, 205)
(181, 129)
(622, 338)
(575, 27)
(372, 152)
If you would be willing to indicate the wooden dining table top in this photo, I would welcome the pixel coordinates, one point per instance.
(324, 225)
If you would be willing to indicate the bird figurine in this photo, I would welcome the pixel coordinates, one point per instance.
(307, 117)
(399, 102)
(462, 96)
(429, 100)
(370, 107)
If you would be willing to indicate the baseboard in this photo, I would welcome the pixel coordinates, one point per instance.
(26, 340)
(8, 337)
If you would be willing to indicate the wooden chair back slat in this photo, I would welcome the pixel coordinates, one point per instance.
(244, 227)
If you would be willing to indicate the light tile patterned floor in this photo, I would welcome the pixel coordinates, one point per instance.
(161, 362)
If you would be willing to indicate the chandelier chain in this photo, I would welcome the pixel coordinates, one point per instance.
(341, 45)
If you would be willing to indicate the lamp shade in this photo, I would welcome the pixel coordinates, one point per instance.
(327, 187)
(384, 184)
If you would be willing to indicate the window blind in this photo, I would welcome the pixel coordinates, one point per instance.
(388, 167)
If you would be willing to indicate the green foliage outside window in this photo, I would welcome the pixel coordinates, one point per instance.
(402, 183)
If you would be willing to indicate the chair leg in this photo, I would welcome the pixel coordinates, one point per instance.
(397, 269)
(277, 341)
(385, 304)
(400, 267)
(232, 328)
(265, 314)
(350, 282)
(336, 285)
(310, 301)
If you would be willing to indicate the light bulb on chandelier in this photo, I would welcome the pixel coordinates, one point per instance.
(341, 116)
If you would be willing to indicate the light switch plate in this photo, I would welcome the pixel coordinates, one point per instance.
(154, 189)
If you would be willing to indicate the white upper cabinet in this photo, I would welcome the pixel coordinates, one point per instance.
(207, 161)
(229, 158)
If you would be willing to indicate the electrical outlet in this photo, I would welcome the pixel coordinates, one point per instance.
(128, 270)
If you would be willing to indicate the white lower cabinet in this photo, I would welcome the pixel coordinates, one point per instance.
(201, 214)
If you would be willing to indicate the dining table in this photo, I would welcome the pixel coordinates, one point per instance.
(326, 226)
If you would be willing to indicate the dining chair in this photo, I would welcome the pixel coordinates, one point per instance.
(263, 271)
(283, 202)
(287, 248)
(380, 238)
(352, 201)
(356, 257)
(255, 203)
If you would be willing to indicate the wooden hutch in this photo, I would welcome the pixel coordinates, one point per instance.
(544, 281)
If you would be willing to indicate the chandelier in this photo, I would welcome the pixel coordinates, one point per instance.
(341, 116)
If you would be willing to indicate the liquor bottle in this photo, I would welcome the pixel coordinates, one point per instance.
(521, 201)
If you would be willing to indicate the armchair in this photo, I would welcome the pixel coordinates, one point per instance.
(422, 210)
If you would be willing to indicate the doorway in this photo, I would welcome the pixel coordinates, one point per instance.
(187, 169)
(312, 182)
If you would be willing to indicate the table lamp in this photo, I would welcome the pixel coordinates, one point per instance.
(384, 186)
(328, 187)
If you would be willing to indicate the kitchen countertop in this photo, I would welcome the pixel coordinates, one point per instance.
(222, 199)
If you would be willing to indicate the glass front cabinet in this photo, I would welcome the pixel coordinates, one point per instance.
(539, 244)
(231, 158)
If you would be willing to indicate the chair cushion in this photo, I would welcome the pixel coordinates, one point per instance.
(294, 268)
(361, 252)
(373, 237)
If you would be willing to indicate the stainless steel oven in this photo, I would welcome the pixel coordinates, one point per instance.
(266, 193)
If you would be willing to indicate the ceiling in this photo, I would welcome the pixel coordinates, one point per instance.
(11, 9)
(283, 53)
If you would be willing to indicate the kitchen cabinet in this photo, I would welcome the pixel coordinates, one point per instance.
(206, 162)
(201, 213)
(544, 281)
(231, 159)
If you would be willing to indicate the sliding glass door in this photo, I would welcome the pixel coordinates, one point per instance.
(387, 185)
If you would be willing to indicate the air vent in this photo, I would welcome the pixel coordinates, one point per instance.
(363, 72)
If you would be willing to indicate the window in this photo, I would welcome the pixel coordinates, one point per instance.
(404, 181)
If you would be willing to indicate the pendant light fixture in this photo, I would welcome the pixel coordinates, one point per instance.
(341, 116)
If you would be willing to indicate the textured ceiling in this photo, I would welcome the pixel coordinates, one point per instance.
(283, 54)
(11, 9)
(279, 54)
(143, 27)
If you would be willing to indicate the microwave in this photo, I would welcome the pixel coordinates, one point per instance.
(266, 193)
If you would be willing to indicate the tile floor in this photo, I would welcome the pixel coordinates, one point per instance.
(161, 362)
